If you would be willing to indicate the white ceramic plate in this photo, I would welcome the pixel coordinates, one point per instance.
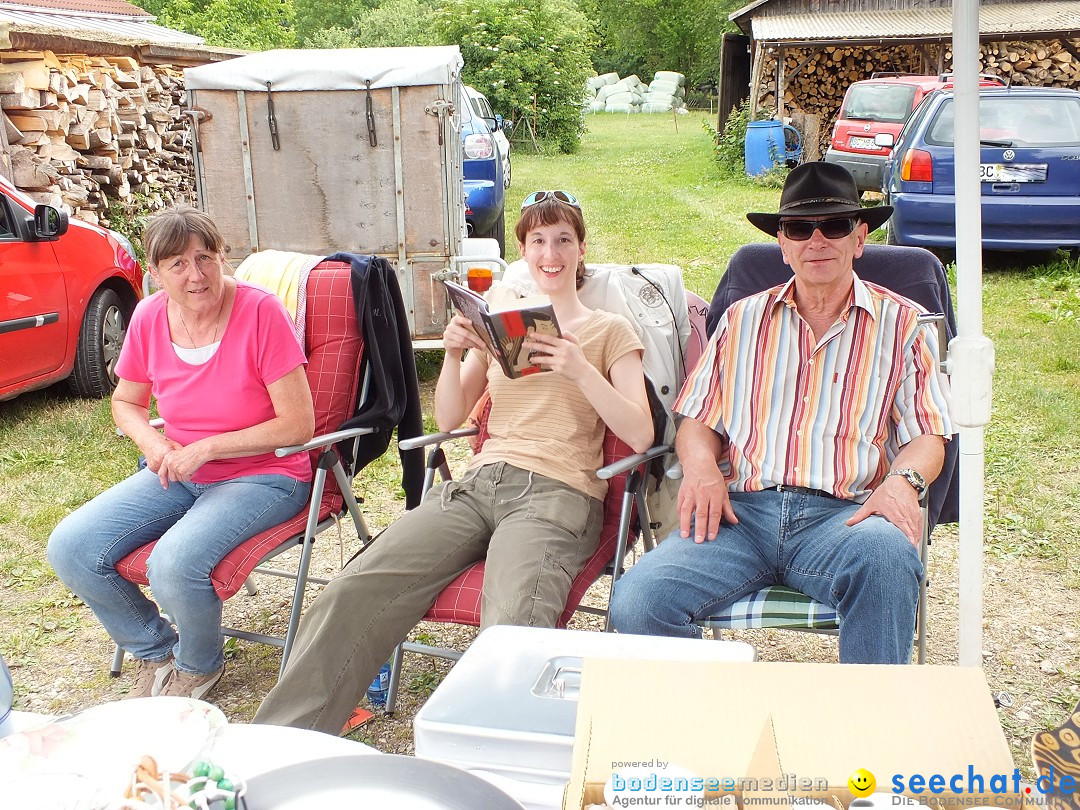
(387, 781)
(103, 744)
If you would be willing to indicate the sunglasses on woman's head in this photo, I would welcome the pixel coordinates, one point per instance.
(799, 230)
(540, 196)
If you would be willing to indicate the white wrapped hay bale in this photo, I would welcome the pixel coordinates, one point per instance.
(625, 97)
(656, 107)
(661, 86)
(608, 90)
(670, 76)
(594, 83)
(596, 106)
(661, 98)
(622, 108)
(609, 78)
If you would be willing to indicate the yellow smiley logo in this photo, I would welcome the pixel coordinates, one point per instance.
(862, 783)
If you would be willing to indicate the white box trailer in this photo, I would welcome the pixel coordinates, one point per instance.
(320, 151)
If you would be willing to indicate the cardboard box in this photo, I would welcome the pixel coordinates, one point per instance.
(769, 732)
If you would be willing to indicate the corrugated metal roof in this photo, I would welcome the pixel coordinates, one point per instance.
(1006, 18)
(108, 28)
(80, 6)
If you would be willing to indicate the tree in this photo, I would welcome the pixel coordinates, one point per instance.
(395, 23)
(530, 58)
(249, 24)
(316, 16)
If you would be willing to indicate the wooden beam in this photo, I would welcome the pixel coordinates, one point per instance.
(780, 83)
(755, 78)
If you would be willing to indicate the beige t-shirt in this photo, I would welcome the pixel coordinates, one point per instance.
(543, 423)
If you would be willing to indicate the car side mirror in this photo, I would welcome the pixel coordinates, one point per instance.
(885, 140)
(49, 223)
(507, 126)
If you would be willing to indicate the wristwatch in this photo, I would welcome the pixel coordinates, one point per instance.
(918, 483)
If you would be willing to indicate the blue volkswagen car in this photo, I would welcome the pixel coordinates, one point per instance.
(1029, 167)
(485, 186)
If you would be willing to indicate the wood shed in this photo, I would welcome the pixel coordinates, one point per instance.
(92, 93)
(797, 57)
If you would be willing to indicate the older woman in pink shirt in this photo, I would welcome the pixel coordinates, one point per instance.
(222, 362)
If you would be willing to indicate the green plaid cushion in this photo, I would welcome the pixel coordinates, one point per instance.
(775, 606)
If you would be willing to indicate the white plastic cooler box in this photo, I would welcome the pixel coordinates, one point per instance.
(509, 706)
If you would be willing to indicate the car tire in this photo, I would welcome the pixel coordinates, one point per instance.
(100, 338)
(890, 234)
(498, 233)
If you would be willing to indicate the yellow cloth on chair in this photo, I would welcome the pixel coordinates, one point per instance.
(285, 275)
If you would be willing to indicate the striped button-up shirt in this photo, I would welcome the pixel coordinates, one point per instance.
(829, 416)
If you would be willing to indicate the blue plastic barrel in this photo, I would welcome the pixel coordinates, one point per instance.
(766, 146)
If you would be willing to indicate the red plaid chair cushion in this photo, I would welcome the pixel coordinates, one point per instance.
(335, 350)
(459, 602)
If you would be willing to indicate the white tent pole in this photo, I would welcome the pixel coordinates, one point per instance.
(971, 353)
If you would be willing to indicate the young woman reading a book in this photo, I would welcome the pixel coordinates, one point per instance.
(530, 502)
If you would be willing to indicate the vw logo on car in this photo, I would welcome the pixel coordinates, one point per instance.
(1008, 154)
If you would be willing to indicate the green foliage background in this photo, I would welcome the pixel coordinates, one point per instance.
(530, 58)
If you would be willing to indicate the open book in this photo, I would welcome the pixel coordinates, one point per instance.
(504, 329)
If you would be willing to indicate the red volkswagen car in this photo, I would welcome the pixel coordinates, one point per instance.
(67, 290)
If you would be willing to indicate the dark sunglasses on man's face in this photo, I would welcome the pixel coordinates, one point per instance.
(799, 230)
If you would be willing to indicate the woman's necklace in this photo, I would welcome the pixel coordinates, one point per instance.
(217, 322)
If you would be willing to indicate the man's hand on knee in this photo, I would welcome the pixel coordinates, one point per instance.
(704, 503)
(896, 501)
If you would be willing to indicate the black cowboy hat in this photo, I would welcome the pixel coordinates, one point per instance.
(819, 189)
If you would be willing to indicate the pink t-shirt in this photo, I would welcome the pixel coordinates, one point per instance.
(227, 392)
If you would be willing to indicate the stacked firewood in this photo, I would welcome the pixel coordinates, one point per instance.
(1054, 63)
(815, 79)
(88, 130)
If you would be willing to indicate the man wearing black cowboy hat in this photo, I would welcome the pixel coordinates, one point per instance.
(812, 424)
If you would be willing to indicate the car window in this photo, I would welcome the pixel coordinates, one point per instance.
(889, 103)
(7, 230)
(1028, 120)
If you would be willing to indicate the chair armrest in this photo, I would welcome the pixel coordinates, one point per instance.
(156, 422)
(628, 463)
(324, 441)
(436, 438)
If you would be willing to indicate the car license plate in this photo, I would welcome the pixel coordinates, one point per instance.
(857, 142)
(1012, 172)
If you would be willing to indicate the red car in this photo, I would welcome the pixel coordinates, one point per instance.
(67, 290)
(879, 105)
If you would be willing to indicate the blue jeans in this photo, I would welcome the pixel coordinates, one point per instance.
(869, 572)
(195, 525)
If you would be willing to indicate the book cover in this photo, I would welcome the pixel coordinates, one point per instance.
(504, 329)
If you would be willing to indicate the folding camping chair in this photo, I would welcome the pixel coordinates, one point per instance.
(916, 274)
(335, 351)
